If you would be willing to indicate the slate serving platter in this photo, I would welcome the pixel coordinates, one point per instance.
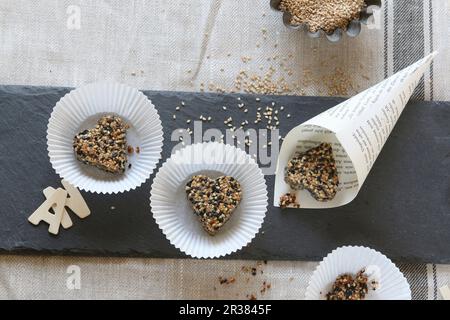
(403, 209)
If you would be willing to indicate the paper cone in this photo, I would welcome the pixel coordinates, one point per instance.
(357, 129)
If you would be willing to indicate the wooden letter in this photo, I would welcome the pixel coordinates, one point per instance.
(76, 202)
(66, 222)
(43, 212)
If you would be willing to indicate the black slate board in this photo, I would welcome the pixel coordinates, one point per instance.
(402, 210)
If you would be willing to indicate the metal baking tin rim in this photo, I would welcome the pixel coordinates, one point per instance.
(353, 30)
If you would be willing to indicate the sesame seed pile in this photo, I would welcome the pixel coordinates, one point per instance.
(326, 15)
(213, 201)
(338, 83)
(314, 170)
(269, 71)
(265, 84)
(348, 288)
(276, 79)
(104, 146)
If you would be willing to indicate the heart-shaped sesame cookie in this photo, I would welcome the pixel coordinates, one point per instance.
(314, 170)
(213, 200)
(104, 146)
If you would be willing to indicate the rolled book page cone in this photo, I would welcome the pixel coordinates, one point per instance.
(357, 130)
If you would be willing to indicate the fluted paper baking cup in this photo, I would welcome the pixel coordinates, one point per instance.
(392, 283)
(80, 110)
(173, 212)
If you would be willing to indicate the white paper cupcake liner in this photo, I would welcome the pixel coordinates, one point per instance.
(81, 109)
(173, 212)
(392, 283)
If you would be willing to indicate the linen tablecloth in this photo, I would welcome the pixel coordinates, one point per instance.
(196, 45)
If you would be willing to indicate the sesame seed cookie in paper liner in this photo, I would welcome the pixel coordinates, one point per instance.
(356, 129)
(385, 281)
(80, 110)
(174, 213)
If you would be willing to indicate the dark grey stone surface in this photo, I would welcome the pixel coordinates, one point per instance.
(403, 209)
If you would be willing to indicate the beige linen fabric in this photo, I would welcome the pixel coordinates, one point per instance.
(189, 45)
(124, 278)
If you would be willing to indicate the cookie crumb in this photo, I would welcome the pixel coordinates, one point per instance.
(227, 280)
(289, 200)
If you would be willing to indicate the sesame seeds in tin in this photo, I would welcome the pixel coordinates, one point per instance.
(326, 15)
